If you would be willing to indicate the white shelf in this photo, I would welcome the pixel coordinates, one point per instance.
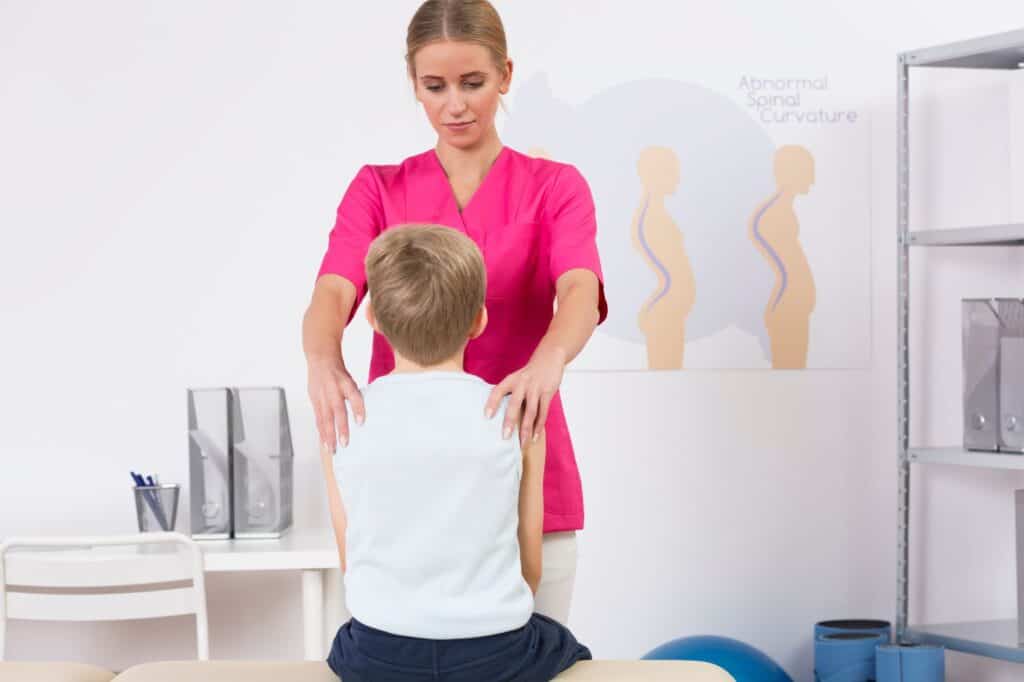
(989, 235)
(992, 638)
(961, 457)
(1000, 51)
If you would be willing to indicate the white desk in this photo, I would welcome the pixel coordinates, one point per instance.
(312, 552)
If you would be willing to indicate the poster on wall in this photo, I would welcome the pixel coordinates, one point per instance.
(733, 223)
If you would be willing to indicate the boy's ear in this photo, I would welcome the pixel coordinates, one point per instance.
(480, 324)
(370, 317)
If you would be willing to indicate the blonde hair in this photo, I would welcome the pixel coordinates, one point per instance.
(470, 21)
(427, 285)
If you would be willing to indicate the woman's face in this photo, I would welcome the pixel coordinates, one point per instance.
(459, 87)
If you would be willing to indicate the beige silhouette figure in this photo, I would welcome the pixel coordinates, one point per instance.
(662, 318)
(775, 231)
(538, 153)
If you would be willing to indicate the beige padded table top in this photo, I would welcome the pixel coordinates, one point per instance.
(313, 671)
(16, 671)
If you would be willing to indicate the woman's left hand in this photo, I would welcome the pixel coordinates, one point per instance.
(532, 389)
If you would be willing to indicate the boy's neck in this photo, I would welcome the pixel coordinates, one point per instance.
(407, 366)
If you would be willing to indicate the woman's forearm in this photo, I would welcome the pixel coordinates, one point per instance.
(330, 384)
(533, 387)
(326, 317)
(576, 317)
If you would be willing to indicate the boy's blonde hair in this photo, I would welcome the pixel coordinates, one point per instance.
(427, 285)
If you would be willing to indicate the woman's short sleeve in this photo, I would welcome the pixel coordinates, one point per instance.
(573, 228)
(360, 219)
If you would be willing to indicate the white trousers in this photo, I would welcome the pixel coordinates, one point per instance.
(558, 577)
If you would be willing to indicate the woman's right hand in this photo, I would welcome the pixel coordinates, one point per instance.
(330, 387)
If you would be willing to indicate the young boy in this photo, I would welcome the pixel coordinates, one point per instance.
(438, 518)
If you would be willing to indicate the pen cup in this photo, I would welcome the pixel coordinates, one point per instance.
(156, 507)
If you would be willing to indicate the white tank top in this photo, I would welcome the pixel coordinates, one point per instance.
(431, 491)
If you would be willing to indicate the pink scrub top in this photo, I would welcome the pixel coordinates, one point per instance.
(533, 220)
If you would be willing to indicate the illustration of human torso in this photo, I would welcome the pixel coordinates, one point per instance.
(775, 231)
(659, 241)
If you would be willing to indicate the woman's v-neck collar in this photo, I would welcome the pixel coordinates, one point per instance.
(461, 213)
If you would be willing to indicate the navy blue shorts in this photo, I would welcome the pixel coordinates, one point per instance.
(536, 652)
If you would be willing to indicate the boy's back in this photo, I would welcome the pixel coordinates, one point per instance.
(438, 518)
(431, 492)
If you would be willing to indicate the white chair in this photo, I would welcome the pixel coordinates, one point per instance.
(86, 579)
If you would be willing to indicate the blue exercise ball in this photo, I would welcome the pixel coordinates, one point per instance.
(742, 661)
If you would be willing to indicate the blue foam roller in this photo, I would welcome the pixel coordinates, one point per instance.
(744, 662)
(910, 663)
(834, 627)
(846, 656)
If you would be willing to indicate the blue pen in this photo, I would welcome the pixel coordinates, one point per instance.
(158, 506)
(151, 500)
(141, 483)
(151, 480)
(162, 517)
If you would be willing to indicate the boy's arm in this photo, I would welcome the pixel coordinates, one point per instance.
(531, 511)
(338, 518)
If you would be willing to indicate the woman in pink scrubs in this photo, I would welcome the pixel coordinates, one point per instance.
(533, 220)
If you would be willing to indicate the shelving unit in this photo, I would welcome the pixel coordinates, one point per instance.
(961, 457)
(994, 639)
(990, 235)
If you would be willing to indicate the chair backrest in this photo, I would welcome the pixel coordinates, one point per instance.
(114, 577)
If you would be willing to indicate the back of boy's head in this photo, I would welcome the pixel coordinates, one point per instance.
(427, 285)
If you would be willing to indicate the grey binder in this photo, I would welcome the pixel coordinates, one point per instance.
(262, 460)
(981, 335)
(209, 463)
(1011, 374)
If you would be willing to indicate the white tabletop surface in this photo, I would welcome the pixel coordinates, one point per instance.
(297, 549)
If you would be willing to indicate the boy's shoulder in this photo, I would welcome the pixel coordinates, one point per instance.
(396, 392)
(394, 399)
(451, 382)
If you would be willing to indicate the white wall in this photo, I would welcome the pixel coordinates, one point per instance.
(170, 172)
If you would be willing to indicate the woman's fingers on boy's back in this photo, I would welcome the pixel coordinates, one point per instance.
(338, 414)
(531, 407)
(322, 378)
(497, 393)
(522, 406)
(513, 414)
(333, 392)
(324, 427)
(325, 421)
(347, 391)
(354, 397)
(542, 414)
